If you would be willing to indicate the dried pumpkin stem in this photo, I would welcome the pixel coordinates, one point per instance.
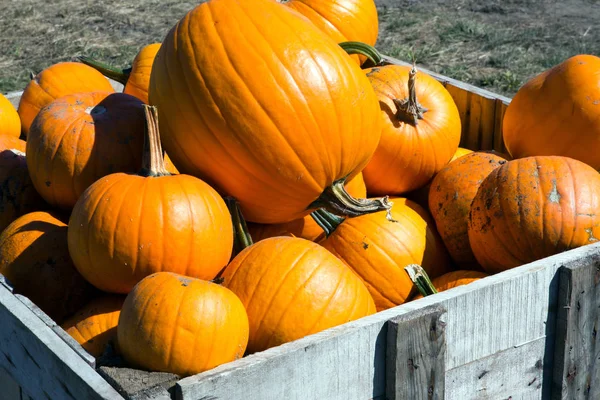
(326, 220)
(153, 163)
(338, 201)
(119, 75)
(362, 49)
(241, 235)
(420, 279)
(409, 110)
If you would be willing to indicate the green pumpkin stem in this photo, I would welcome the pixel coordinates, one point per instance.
(119, 75)
(419, 277)
(409, 110)
(362, 49)
(153, 163)
(338, 201)
(326, 220)
(241, 236)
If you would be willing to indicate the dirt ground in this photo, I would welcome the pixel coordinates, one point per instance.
(493, 44)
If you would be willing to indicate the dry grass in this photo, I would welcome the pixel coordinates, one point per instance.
(494, 44)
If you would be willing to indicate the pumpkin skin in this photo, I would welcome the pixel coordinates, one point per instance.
(459, 153)
(409, 155)
(34, 257)
(17, 193)
(306, 227)
(10, 123)
(556, 113)
(291, 288)
(95, 325)
(247, 137)
(79, 138)
(139, 78)
(454, 279)
(56, 81)
(378, 249)
(450, 198)
(531, 208)
(185, 326)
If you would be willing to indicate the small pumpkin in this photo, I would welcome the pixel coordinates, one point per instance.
(454, 279)
(95, 325)
(10, 123)
(173, 323)
(378, 248)
(421, 130)
(35, 259)
(126, 226)
(56, 81)
(531, 208)
(291, 288)
(452, 192)
(556, 113)
(79, 138)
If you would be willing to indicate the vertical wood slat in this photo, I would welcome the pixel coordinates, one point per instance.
(576, 372)
(416, 354)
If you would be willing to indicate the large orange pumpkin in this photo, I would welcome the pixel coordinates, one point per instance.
(126, 226)
(454, 279)
(450, 197)
(534, 207)
(378, 249)
(291, 288)
(557, 113)
(10, 124)
(56, 81)
(34, 257)
(421, 130)
(79, 138)
(181, 325)
(95, 325)
(273, 124)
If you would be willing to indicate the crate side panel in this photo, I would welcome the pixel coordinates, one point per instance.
(9, 388)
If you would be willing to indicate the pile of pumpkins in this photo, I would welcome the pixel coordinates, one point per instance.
(300, 176)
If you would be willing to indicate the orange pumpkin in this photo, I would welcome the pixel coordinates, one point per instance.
(79, 138)
(454, 279)
(56, 81)
(378, 249)
(459, 153)
(556, 113)
(126, 226)
(534, 207)
(291, 288)
(95, 325)
(421, 130)
(305, 227)
(169, 166)
(17, 194)
(34, 257)
(263, 123)
(453, 190)
(10, 124)
(181, 325)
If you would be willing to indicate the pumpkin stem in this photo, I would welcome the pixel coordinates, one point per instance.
(409, 110)
(153, 163)
(326, 220)
(420, 279)
(119, 75)
(241, 236)
(337, 200)
(362, 49)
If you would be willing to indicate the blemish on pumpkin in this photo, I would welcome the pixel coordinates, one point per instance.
(48, 183)
(372, 71)
(455, 197)
(591, 237)
(365, 245)
(554, 196)
(184, 281)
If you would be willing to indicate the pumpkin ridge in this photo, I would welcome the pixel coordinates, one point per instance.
(143, 189)
(74, 176)
(151, 299)
(173, 332)
(191, 219)
(392, 235)
(573, 184)
(521, 214)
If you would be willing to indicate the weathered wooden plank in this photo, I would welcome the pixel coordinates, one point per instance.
(415, 355)
(515, 373)
(577, 347)
(498, 142)
(39, 360)
(9, 389)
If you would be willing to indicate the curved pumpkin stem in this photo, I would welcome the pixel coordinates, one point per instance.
(241, 235)
(153, 163)
(338, 201)
(409, 110)
(419, 277)
(119, 75)
(362, 49)
(326, 220)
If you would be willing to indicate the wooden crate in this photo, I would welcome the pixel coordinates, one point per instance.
(527, 333)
